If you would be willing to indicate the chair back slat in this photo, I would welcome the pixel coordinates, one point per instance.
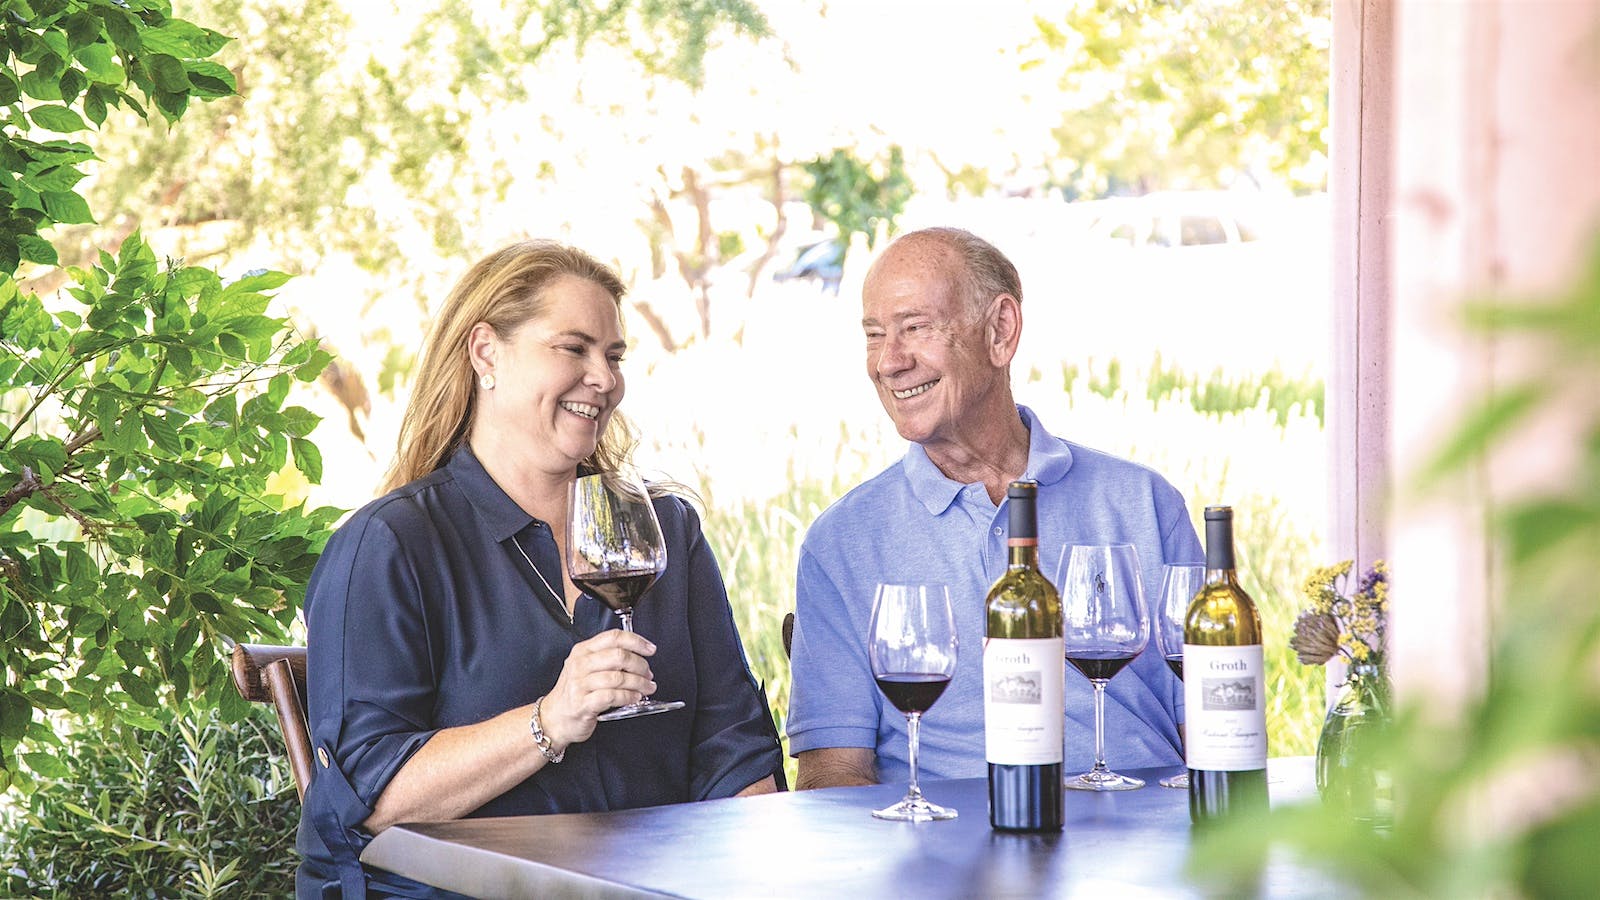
(264, 673)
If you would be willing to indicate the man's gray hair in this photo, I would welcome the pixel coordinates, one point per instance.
(985, 273)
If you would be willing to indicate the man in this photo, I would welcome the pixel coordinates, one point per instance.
(942, 313)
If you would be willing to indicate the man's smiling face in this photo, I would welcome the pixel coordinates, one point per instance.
(926, 352)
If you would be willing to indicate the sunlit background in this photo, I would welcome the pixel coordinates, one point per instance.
(741, 164)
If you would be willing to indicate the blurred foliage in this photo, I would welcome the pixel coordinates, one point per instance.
(1187, 95)
(859, 196)
(206, 809)
(1500, 798)
(141, 416)
(1217, 394)
(332, 114)
(757, 543)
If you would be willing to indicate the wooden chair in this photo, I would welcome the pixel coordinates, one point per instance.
(264, 673)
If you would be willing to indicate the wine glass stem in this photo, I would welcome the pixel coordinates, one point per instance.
(914, 792)
(627, 619)
(1099, 725)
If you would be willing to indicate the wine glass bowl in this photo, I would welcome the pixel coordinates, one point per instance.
(1105, 625)
(615, 553)
(911, 643)
(1179, 583)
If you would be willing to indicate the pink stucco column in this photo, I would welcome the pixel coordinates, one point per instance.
(1493, 188)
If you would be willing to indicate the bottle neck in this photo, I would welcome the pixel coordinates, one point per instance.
(1219, 548)
(1023, 554)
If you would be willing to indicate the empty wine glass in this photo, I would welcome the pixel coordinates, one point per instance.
(912, 645)
(1179, 583)
(614, 553)
(1105, 625)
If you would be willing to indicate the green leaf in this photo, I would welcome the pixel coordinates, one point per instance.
(183, 39)
(66, 208)
(139, 689)
(100, 65)
(36, 249)
(171, 104)
(232, 706)
(210, 79)
(47, 765)
(307, 458)
(254, 282)
(299, 421)
(56, 118)
(36, 85)
(162, 433)
(10, 89)
(122, 28)
(55, 178)
(82, 29)
(206, 568)
(167, 72)
(15, 714)
(94, 105)
(72, 83)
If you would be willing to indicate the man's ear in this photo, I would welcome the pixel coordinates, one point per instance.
(1005, 329)
(483, 343)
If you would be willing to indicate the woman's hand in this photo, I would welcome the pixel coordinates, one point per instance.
(606, 671)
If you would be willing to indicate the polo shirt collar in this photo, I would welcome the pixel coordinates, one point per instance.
(500, 515)
(1049, 458)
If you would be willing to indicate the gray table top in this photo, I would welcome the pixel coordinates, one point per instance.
(826, 843)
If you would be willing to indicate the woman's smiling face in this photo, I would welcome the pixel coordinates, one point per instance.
(557, 377)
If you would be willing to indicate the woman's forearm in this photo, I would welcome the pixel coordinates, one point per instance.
(458, 770)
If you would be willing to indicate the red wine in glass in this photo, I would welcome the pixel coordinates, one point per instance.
(912, 692)
(614, 553)
(911, 646)
(1098, 665)
(618, 590)
(1105, 624)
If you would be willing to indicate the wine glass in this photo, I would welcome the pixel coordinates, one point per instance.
(1105, 625)
(1179, 583)
(614, 553)
(912, 645)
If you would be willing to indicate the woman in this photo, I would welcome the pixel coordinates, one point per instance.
(454, 668)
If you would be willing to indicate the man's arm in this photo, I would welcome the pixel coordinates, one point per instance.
(835, 767)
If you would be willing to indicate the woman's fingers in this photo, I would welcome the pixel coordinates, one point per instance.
(603, 672)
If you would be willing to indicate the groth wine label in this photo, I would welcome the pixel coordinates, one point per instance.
(1223, 686)
(1024, 668)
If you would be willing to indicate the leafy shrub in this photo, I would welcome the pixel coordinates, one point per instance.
(199, 808)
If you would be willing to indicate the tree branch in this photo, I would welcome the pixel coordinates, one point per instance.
(22, 490)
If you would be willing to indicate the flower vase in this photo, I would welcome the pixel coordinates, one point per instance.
(1348, 776)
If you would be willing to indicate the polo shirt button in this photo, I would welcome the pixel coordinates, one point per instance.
(997, 531)
(322, 756)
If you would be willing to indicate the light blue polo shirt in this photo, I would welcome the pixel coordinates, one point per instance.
(910, 523)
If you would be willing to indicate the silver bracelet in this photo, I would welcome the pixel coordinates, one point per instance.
(541, 739)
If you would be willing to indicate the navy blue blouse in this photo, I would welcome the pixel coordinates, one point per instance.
(422, 615)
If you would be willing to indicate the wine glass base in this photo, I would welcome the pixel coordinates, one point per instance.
(914, 810)
(642, 708)
(1103, 781)
(1177, 781)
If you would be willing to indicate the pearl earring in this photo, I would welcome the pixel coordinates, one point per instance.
(487, 381)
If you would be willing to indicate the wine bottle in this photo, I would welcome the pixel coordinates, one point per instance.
(1024, 668)
(1224, 687)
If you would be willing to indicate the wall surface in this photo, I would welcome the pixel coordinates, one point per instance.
(1469, 168)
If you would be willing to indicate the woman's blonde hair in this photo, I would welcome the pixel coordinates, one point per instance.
(504, 290)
